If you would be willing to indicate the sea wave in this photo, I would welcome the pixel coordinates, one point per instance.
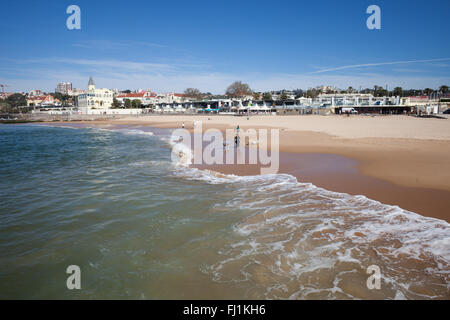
(300, 241)
(135, 132)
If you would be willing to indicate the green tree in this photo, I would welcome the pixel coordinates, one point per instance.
(444, 89)
(15, 101)
(312, 93)
(64, 98)
(398, 91)
(136, 103)
(379, 91)
(267, 96)
(127, 103)
(428, 91)
(116, 104)
(284, 96)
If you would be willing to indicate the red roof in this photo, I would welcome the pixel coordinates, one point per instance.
(419, 97)
(131, 95)
(141, 94)
(39, 97)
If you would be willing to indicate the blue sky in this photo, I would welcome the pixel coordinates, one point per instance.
(172, 45)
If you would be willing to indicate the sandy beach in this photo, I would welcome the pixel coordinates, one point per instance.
(396, 160)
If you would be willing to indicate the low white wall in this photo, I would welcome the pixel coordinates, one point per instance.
(110, 111)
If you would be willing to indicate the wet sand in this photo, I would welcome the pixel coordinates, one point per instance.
(340, 174)
(396, 160)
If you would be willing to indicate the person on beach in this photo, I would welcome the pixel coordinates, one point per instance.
(237, 129)
(182, 125)
(237, 140)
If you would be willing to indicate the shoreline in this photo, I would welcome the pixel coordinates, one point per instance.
(346, 178)
(402, 170)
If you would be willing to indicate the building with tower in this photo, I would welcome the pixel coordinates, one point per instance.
(95, 101)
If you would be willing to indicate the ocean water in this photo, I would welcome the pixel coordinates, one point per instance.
(141, 226)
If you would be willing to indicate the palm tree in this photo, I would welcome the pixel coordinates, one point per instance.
(398, 91)
(284, 96)
(428, 91)
(443, 89)
(267, 96)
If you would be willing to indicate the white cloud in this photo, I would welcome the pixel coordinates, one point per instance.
(104, 64)
(46, 73)
(115, 44)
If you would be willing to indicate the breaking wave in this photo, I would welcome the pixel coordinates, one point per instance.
(299, 241)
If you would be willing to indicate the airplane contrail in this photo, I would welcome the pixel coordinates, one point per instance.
(378, 64)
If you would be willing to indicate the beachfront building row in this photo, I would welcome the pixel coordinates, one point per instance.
(147, 97)
(101, 101)
(106, 101)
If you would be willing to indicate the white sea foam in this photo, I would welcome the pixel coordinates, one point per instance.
(292, 231)
(181, 154)
(296, 240)
(135, 132)
(293, 236)
(119, 130)
(150, 163)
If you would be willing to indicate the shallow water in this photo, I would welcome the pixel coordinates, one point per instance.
(140, 226)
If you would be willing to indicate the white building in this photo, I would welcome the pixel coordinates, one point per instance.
(64, 87)
(95, 99)
(34, 93)
(76, 92)
(146, 97)
(338, 99)
(305, 101)
(42, 101)
(326, 89)
(172, 98)
(420, 101)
